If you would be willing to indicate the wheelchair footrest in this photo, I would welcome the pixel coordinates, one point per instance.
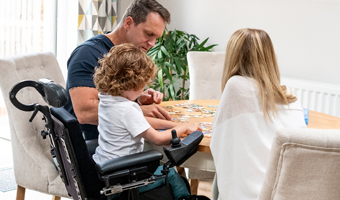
(120, 188)
(128, 174)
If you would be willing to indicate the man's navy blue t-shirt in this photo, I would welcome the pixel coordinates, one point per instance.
(80, 66)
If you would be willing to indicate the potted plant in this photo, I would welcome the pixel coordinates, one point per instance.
(170, 56)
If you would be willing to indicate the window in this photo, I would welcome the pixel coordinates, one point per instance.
(26, 26)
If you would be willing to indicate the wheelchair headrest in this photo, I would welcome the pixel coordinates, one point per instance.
(53, 93)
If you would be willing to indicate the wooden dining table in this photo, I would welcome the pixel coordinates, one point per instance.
(317, 120)
(203, 160)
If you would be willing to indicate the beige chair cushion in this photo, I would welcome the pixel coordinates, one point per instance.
(33, 165)
(304, 164)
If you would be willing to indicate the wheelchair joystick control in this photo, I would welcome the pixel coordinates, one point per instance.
(175, 141)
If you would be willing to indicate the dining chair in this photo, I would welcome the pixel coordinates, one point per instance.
(34, 168)
(303, 165)
(205, 72)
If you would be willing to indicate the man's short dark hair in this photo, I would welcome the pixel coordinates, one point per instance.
(139, 10)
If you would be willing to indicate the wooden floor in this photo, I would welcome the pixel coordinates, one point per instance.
(204, 188)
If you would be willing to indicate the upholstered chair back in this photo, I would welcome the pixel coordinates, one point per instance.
(304, 165)
(205, 71)
(33, 165)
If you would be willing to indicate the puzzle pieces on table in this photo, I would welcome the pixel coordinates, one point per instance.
(198, 111)
(193, 111)
(206, 128)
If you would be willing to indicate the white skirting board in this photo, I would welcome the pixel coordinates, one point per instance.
(316, 96)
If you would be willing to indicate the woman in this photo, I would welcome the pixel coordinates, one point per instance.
(252, 108)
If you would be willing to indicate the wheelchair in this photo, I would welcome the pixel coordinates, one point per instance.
(83, 178)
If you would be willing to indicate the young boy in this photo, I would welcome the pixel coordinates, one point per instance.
(120, 79)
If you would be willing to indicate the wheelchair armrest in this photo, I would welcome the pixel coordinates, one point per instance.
(91, 146)
(128, 161)
(188, 147)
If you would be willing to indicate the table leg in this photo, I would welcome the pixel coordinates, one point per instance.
(181, 171)
(194, 186)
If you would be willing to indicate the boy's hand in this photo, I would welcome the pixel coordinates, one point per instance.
(192, 127)
(150, 96)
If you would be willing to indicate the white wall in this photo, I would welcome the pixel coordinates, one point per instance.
(305, 33)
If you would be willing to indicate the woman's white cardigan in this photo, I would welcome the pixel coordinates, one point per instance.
(242, 139)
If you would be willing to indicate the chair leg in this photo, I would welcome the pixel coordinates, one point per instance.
(56, 198)
(194, 186)
(21, 193)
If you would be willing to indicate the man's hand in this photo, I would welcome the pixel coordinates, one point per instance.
(155, 111)
(150, 96)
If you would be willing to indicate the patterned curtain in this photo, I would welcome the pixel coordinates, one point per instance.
(95, 17)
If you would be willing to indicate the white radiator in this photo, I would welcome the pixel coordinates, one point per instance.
(317, 96)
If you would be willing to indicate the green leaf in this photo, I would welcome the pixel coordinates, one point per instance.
(210, 47)
(178, 92)
(165, 51)
(169, 45)
(159, 54)
(180, 41)
(181, 47)
(187, 71)
(172, 91)
(178, 65)
(203, 43)
(160, 78)
(167, 72)
(174, 35)
(152, 52)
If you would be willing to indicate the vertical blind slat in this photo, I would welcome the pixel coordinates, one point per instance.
(6, 28)
(2, 21)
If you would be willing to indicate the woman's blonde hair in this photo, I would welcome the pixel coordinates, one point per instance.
(250, 53)
(124, 68)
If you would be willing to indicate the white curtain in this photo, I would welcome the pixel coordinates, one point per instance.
(27, 26)
(66, 32)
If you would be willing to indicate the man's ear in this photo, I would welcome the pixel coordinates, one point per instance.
(128, 23)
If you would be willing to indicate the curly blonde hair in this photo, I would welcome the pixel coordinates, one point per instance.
(124, 68)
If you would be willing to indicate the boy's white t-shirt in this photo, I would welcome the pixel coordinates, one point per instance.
(121, 122)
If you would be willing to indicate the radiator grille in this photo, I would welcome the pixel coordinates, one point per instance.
(317, 96)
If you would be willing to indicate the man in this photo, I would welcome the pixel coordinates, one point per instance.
(143, 22)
